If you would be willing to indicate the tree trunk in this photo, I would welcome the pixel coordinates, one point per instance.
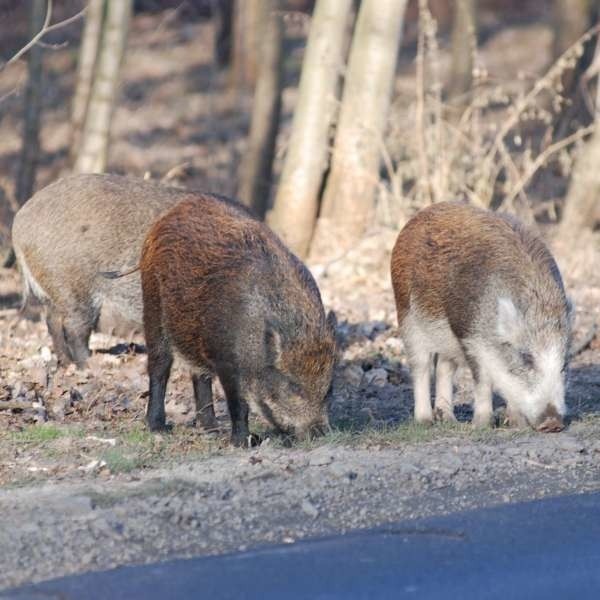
(223, 19)
(257, 163)
(88, 54)
(582, 204)
(464, 44)
(33, 101)
(297, 202)
(94, 144)
(349, 198)
(571, 19)
(246, 43)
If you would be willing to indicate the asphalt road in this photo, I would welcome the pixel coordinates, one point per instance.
(543, 549)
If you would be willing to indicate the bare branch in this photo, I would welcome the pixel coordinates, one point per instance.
(541, 159)
(46, 28)
(541, 84)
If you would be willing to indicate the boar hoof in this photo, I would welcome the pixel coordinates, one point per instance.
(250, 440)
(159, 426)
(428, 421)
(551, 425)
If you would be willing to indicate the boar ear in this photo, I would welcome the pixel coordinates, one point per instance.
(509, 320)
(273, 344)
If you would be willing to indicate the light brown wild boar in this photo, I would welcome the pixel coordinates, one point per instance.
(222, 292)
(477, 286)
(69, 232)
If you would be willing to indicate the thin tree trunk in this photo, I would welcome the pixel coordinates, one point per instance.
(257, 163)
(223, 19)
(464, 44)
(88, 54)
(349, 198)
(582, 203)
(297, 202)
(572, 18)
(94, 144)
(33, 102)
(246, 43)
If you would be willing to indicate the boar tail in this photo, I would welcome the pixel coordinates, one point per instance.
(118, 274)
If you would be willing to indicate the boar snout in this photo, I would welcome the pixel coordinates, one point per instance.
(550, 421)
(314, 430)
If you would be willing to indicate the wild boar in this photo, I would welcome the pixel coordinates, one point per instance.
(222, 292)
(477, 286)
(75, 228)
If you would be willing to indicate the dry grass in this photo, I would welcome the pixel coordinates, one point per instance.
(67, 452)
(489, 152)
(58, 452)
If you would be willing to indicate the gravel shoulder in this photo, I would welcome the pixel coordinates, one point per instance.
(238, 499)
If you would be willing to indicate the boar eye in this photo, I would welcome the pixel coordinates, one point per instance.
(527, 359)
(294, 388)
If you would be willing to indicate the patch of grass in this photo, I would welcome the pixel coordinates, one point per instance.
(138, 447)
(405, 433)
(119, 461)
(138, 436)
(40, 434)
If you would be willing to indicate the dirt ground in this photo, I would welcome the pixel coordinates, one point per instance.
(84, 486)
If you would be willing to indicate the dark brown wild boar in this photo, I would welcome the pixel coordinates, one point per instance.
(476, 286)
(75, 228)
(223, 293)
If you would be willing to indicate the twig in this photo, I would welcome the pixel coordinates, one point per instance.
(15, 405)
(510, 165)
(583, 344)
(46, 28)
(540, 85)
(392, 173)
(541, 159)
(420, 107)
(12, 92)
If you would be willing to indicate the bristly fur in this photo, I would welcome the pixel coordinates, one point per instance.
(471, 284)
(222, 291)
(70, 232)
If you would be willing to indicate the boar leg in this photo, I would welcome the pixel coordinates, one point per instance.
(205, 411)
(515, 418)
(483, 411)
(444, 373)
(238, 412)
(57, 333)
(160, 360)
(419, 364)
(78, 329)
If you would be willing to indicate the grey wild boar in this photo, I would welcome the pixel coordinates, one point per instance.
(476, 286)
(75, 228)
(222, 292)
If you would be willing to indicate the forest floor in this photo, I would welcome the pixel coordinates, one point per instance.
(84, 486)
